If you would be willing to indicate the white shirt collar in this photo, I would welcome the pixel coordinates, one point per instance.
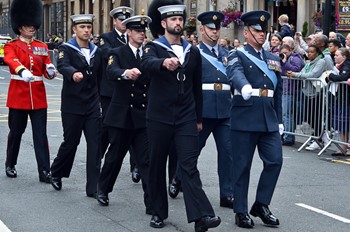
(120, 34)
(134, 49)
(216, 47)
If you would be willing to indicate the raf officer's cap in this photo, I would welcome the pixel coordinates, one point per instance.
(256, 19)
(137, 22)
(122, 12)
(211, 19)
(172, 10)
(82, 18)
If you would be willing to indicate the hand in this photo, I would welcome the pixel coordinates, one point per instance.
(171, 63)
(246, 92)
(133, 73)
(290, 74)
(77, 77)
(51, 71)
(199, 127)
(280, 129)
(27, 75)
(348, 81)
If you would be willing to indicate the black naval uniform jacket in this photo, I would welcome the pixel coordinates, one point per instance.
(128, 106)
(165, 103)
(108, 41)
(83, 97)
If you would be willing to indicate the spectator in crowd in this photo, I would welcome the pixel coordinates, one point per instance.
(337, 36)
(310, 39)
(292, 61)
(79, 62)
(314, 100)
(300, 45)
(275, 43)
(228, 43)
(291, 42)
(347, 41)
(285, 27)
(321, 41)
(223, 43)
(28, 61)
(333, 46)
(341, 102)
(237, 43)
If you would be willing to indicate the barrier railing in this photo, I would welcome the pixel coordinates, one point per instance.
(312, 111)
(53, 56)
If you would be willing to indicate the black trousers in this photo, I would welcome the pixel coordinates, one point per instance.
(120, 142)
(105, 102)
(184, 137)
(73, 126)
(17, 122)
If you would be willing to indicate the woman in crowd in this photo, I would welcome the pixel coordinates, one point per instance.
(274, 45)
(341, 101)
(313, 98)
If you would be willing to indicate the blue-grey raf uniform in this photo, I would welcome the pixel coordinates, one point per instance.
(217, 105)
(255, 122)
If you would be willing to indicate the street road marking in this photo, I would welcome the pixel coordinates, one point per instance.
(3, 227)
(336, 217)
(346, 161)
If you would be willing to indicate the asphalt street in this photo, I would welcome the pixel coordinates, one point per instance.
(313, 193)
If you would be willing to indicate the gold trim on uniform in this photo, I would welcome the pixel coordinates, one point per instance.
(110, 60)
(60, 55)
(262, 18)
(146, 50)
(19, 68)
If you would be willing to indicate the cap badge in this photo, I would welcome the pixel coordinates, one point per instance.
(124, 10)
(142, 21)
(262, 18)
(215, 17)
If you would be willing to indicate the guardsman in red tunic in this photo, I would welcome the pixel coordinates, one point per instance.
(29, 62)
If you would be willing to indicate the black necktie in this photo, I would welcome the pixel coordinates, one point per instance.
(138, 57)
(123, 38)
(259, 54)
(214, 52)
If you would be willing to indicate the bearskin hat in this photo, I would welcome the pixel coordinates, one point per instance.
(155, 26)
(25, 12)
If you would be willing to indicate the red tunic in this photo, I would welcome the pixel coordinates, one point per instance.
(33, 56)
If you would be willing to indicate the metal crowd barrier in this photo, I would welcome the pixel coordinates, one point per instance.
(312, 111)
(53, 57)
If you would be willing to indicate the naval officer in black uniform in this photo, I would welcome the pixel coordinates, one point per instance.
(109, 40)
(256, 119)
(79, 62)
(126, 115)
(174, 116)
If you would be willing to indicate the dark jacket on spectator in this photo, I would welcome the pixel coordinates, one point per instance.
(286, 31)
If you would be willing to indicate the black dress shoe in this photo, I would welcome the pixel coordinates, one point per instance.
(226, 202)
(243, 220)
(174, 187)
(156, 222)
(92, 195)
(263, 212)
(288, 143)
(11, 172)
(206, 222)
(56, 183)
(102, 199)
(135, 175)
(45, 177)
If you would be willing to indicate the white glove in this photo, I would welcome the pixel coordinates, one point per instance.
(27, 75)
(280, 129)
(246, 92)
(51, 70)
